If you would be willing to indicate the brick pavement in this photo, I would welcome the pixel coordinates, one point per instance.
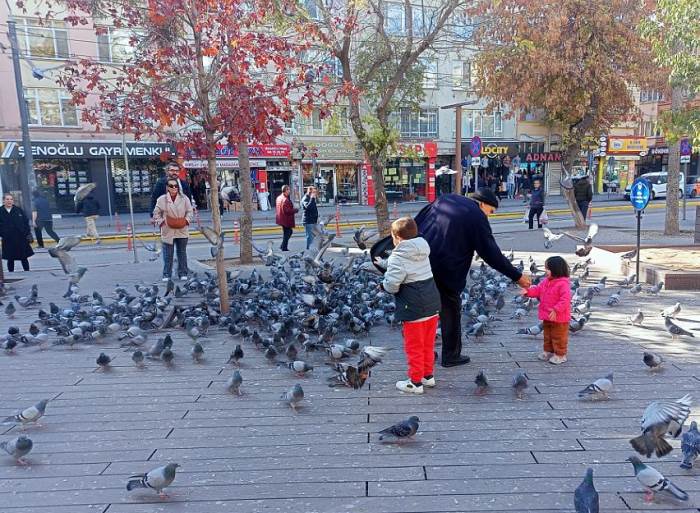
(252, 454)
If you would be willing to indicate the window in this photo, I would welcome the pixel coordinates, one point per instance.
(335, 124)
(113, 46)
(650, 96)
(423, 20)
(393, 18)
(482, 124)
(498, 122)
(461, 74)
(430, 73)
(421, 123)
(50, 107)
(312, 9)
(462, 26)
(49, 41)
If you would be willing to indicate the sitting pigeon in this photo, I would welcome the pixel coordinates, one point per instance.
(482, 383)
(652, 360)
(28, 416)
(586, 497)
(661, 418)
(157, 479)
(405, 428)
(655, 289)
(637, 319)
(520, 383)
(18, 448)
(654, 481)
(636, 289)
(615, 298)
(532, 330)
(599, 389)
(690, 445)
(675, 330)
(300, 367)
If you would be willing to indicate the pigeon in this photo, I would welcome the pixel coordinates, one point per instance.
(520, 383)
(599, 389)
(576, 325)
(404, 429)
(629, 280)
(615, 298)
(300, 367)
(103, 361)
(361, 238)
(654, 291)
(236, 355)
(17, 448)
(482, 383)
(652, 360)
(671, 311)
(137, 358)
(654, 481)
(532, 330)
(233, 385)
(167, 356)
(675, 330)
(28, 416)
(157, 479)
(347, 376)
(637, 319)
(690, 445)
(661, 418)
(293, 396)
(10, 310)
(586, 497)
(636, 289)
(291, 352)
(587, 240)
(197, 352)
(550, 237)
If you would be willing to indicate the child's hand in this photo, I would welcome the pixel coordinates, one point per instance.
(552, 316)
(523, 291)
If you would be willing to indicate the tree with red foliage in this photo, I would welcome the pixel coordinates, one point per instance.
(200, 72)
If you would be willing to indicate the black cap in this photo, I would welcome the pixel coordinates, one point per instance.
(486, 195)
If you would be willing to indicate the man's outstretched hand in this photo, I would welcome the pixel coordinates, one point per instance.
(525, 281)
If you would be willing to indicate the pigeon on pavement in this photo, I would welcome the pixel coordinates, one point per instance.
(233, 385)
(586, 497)
(661, 418)
(520, 383)
(675, 330)
(28, 416)
(637, 319)
(652, 360)
(671, 311)
(482, 383)
(17, 448)
(404, 429)
(690, 445)
(599, 389)
(293, 396)
(236, 355)
(103, 362)
(157, 479)
(654, 481)
(137, 358)
(655, 289)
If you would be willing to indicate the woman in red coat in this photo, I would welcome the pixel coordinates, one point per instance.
(284, 216)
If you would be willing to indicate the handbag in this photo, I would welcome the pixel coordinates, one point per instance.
(544, 218)
(176, 223)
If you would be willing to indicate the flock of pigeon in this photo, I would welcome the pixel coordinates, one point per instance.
(306, 307)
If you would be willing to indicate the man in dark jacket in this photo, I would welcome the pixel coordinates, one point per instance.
(41, 218)
(90, 208)
(456, 227)
(583, 194)
(309, 215)
(536, 203)
(172, 172)
(284, 216)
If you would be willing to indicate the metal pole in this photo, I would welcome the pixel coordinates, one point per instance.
(109, 192)
(639, 240)
(458, 149)
(685, 177)
(131, 204)
(27, 180)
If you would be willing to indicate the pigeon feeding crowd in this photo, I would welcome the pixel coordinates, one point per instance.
(310, 311)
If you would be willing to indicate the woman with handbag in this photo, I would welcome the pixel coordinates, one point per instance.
(173, 214)
(16, 234)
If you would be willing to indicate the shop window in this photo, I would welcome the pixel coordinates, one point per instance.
(430, 73)
(50, 107)
(49, 41)
(421, 123)
(113, 46)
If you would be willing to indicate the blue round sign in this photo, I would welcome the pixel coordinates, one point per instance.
(640, 193)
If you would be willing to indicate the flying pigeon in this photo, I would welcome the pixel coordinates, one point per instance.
(661, 418)
(520, 383)
(157, 479)
(17, 448)
(671, 311)
(293, 396)
(550, 237)
(637, 319)
(404, 429)
(654, 481)
(28, 416)
(675, 330)
(599, 389)
(586, 497)
(482, 383)
(652, 360)
(690, 445)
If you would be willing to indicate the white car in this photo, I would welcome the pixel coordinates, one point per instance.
(658, 183)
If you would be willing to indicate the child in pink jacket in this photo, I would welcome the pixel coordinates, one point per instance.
(554, 293)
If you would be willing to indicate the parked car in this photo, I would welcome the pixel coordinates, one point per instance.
(658, 183)
(693, 188)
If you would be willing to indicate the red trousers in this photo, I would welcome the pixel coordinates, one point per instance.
(556, 337)
(419, 344)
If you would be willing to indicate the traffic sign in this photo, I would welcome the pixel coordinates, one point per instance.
(640, 194)
(475, 146)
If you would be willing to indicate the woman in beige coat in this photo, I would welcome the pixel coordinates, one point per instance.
(173, 214)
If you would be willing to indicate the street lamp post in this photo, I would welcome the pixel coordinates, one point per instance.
(458, 139)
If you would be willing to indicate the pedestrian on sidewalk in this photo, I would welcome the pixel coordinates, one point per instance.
(455, 227)
(536, 203)
(510, 184)
(583, 194)
(554, 293)
(16, 233)
(173, 214)
(172, 172)
(90, 208)
(309, 215)
(284, 216)
(409, 278)
(41, 218)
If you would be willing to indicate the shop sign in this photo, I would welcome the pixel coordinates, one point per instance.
(493, 150)
(254, 150)
(332, 149)
(663, 150)
(222, 163)
(686, 151)
(421, 150)
(62, 149)
(549, 156)
(627, 144)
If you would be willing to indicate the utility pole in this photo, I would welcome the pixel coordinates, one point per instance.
(458, 140)
(27, 180)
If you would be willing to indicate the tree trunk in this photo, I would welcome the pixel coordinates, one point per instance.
(671, 225)
(216, 222)
(246, 254)
(381, 208)
(572, 151)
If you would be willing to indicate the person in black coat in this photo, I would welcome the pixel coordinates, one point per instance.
(16, 234)
(172, 172)
(90, 208)
(309, 216)
(41, 218)
(455, 227)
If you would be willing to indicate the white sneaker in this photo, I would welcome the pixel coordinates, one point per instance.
(430, 383)
(407, 386)
(556, 360)
(545, 356)
(165, 279)
(183, 278)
